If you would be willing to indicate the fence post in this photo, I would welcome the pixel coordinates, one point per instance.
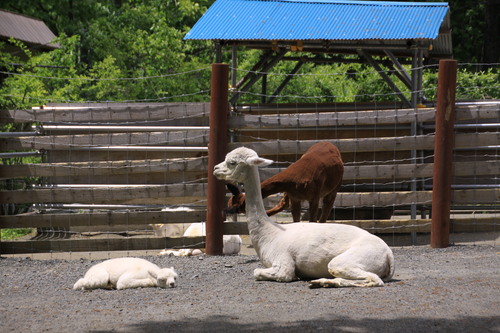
(216, 154)
(443, 153)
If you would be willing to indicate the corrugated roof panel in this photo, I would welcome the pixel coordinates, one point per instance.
(318, 20)
(26, 29)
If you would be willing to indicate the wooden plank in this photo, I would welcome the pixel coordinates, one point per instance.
(332, 119)
(100, 244)
(375, 226)
(141, 113)
(418, 142)
(110, 218)
(109, 168)
(168, 111)
(396, 226)
(235, 228)
(357, 118)
(81, 142)
(155, 194)
(382, 199)
(104, 168)
(370, 199)
(151, 178)
(271, 148)
(476, 196)
(405, 198)
(404, 171)
(68, 156)
(196, 193)
(477, 112)
(476, 140)
(472, 224)
(465, 224)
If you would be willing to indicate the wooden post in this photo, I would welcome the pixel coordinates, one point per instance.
(216, 153)
(443, 153)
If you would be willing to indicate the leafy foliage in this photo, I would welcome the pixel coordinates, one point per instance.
(128, 50)
(9, 234)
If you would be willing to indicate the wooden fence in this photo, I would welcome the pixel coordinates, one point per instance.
(111, 168)
(106, 169)
(387, 158)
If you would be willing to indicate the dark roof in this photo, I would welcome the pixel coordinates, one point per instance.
(26, 29)
(348, 23)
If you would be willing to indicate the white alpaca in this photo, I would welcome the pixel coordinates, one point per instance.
(171, 229)
(353, 256)
(124, 273)
(231, 244)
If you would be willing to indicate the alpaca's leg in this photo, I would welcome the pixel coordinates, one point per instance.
(313, 209)
(346, 271)
(295, 209)
(283, 204)
(282, 272)
(97, 278)
(328, 201)
(135, 280)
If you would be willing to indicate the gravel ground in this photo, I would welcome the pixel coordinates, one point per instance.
(434, 290)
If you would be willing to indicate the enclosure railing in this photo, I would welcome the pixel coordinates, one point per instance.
(100, 176)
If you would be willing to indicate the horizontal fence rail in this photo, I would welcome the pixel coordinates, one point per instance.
(139, 113)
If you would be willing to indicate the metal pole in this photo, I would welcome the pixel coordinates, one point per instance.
(443, 153)
(413, 132)
(218, 51)
(234, 66)
(216, 153)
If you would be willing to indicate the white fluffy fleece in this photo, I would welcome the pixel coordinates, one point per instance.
(124, 273)
(328, 254)
(231, 244)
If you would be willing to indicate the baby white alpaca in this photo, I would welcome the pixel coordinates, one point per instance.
(124, 273)
(334, 255)
(231, 244)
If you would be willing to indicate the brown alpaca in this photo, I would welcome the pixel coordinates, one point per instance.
(317, 174)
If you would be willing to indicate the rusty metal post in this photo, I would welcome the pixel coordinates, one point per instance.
(216, 153)
(443, 153)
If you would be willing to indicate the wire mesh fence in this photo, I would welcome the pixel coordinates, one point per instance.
(131, 175)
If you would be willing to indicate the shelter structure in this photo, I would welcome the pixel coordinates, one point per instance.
(378, 33)
(33, 32)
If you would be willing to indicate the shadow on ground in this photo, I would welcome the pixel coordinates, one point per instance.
(335, 324)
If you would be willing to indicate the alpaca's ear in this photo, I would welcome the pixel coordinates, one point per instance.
(259, 161)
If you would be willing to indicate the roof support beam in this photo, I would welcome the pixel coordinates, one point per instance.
(218, 52)
(234, 65)
(398, 48)
(264, 57)
(384, 76)
(333, 60)
(400, 71)
(417, 77)
(256, 76)
(420, 72)
(414, 79)
(402, 74)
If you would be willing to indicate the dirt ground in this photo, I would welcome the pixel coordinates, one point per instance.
(456, 289)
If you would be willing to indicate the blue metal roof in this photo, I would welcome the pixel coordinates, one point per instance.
(319, 20)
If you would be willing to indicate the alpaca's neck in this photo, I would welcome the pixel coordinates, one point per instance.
(260, 226)
(253, 201)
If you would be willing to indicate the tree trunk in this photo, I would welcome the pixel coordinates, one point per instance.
(491, 52)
